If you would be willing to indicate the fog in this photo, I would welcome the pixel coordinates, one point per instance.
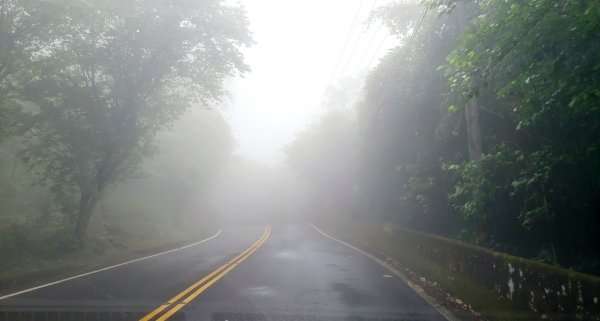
(293, 64)
(301, 72)
(144, 123)
(207, 144)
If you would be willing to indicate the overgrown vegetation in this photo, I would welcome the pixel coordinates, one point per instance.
(482, 125)
(165, 204)
(86, 87)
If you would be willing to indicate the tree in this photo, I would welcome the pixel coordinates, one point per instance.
(324, 157)
(472, 108)
(116, 74)
(20, 24)
(535, 64)
(401, 144)
(192, 157)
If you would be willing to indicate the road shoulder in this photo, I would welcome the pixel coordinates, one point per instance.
(434, 302)
(63, 270)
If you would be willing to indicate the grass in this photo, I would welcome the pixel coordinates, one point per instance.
(22, 271)
(31, 255)
(133, 219)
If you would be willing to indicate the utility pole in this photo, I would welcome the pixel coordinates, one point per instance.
(474, 142)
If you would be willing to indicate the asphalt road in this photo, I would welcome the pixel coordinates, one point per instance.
(283, 272)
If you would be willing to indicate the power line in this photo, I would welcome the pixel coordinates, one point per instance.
(409, 44)
(406, 51)
(355, 45)
(346, 41)
(362, 57)
(378, 49)
(412, 38)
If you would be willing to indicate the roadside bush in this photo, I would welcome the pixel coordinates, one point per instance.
(13, 240)
(20, 240)
(55, 244)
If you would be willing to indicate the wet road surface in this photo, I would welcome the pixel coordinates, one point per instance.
(280, 272)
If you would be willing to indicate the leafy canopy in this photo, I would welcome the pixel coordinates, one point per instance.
(116, 74)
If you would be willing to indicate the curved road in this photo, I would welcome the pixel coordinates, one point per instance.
(280, 272)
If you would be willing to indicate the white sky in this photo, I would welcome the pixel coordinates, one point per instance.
(298, 43)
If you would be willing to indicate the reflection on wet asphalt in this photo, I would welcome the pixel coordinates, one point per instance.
(296, 275)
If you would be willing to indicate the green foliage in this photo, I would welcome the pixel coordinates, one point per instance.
(36, 228)
(13, 240)
(112, 77)
(399, 156)
(533, 193)
(444, 6)
(192, 156)
(398, 16)
(534, 67)
(56, 244)
(324, 156)
(18, 241)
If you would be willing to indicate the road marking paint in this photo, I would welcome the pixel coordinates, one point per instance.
(231, 267)
(208, 280)
(108, 267)
(155, 312)
(447, 314)
(193, 286)
(158, 310)
(171, 312)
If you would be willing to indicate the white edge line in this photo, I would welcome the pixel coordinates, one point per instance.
(433, 302)
(108, 267)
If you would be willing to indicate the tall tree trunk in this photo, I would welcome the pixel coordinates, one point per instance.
(87, 204)
(474, 142)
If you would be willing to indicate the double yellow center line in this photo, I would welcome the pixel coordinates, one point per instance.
(187, 295)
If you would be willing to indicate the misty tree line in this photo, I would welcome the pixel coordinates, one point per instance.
(484, 126)
(86, 87)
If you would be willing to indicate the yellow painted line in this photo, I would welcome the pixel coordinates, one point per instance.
(155, 312)
(211, 282)
(229, 265)
(193, 286)
(170, 312)
(158, 310)
(190, 288)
